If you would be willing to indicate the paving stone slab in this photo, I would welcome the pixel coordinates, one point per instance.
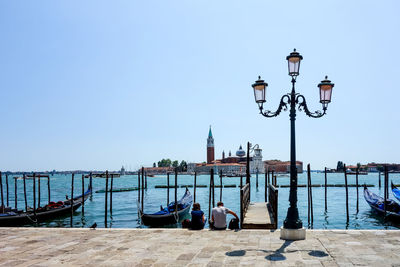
(180, 247)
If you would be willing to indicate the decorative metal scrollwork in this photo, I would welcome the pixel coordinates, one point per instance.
(301, 101)
(282, 105)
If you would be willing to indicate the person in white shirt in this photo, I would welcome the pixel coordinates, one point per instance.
(218, 218)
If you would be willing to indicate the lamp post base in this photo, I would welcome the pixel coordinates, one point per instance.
(293, 234)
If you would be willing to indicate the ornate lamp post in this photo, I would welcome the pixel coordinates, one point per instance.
(292, 226)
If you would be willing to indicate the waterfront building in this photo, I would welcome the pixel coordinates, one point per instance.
(257, 164)
(282, 166)
(231, 165)
(158, 170)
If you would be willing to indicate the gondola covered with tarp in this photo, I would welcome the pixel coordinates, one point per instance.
(12, 217)
(377, 203)
(396, 192)
(168, 215)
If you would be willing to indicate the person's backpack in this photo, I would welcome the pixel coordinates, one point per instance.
(234, 224)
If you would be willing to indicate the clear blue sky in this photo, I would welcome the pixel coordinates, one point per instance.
(101, 84)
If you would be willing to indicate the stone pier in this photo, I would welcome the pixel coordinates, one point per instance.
(178, 247)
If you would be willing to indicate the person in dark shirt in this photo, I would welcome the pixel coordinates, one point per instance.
(198, 220)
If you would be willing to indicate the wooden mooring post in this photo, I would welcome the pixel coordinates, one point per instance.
(357, 188)
(8, 204)
(379, 180)
(138, 182)
(241, 181)
(105, 201)
(72, 198)
(265, 186)
(248, 164)
(310, 200)
(111, 191)
(15, 194)
(326, 192)
(167, 188)
(387, 183)
(194, 187)
(210, 197)
(176, 190)
(220, 181)
(39, 191)
(272, 178)
(257, 178)
(48, 188)
(385, 189)
(142, 189)
(2, 196)
(83, 192)
(145, 179)
(213, 188)
(26, 200)
(91, 185)
(34, 194)
(347, 194)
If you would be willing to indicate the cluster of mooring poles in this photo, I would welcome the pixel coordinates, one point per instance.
(106, 205)
(35, 205)
(90, 176)
(346, 185)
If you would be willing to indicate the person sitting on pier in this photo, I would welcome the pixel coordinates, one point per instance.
(198, 220)
(219, 217)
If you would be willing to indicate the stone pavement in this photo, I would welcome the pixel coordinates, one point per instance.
(179, 247)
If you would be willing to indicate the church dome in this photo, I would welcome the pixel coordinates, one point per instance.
(240, 152)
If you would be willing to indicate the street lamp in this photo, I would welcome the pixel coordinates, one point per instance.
(293, 226)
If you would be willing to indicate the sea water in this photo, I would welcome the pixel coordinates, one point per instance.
(125, 211)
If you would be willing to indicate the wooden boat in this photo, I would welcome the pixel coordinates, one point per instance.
(50, 211)
(168, 215)
(395, 191)
(378, 204)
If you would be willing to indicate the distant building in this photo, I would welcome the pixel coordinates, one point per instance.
(234, 165)
(226, 168)
(282, 166)
(158, 170)
(122, 171)
(210, 147)
(257, 164)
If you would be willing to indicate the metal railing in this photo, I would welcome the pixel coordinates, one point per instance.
(244, 201)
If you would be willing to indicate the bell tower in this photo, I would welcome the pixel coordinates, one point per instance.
(210, 147)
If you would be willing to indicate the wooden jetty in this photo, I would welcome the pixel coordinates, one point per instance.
(259, 215)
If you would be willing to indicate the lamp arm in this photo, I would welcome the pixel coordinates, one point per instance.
(282, 105)
(300, 99)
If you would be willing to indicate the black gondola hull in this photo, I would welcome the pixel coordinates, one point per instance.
(161, 220)
(157, 220)
(29, 217)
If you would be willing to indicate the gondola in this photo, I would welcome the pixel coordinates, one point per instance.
(50, 211)
(395, 191)
(377, 203)
(168, 215)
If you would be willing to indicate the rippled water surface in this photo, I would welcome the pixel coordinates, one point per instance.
(124, 210)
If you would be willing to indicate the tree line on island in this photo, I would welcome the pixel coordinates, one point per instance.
(181, 167)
